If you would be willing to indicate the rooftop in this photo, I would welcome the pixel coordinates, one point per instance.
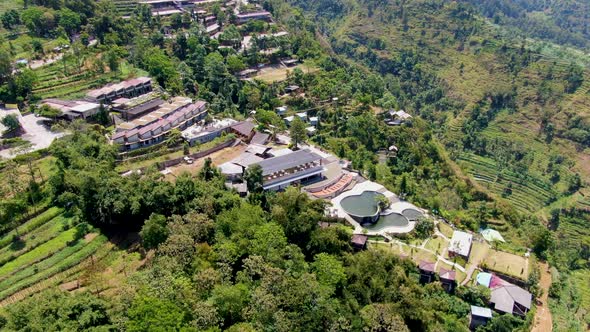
(447, 274)
(200, 130)
(162, 111)
(481, 311)
(254, 14)
(244, 128)
(426, 266)
(359, 239)
(117, 86)
(504, 298)
(288, 161)
(461, 243)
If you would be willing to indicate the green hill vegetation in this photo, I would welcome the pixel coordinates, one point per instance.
(499, 137)
(512, 118)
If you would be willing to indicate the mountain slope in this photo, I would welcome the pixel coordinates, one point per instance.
(514, 119)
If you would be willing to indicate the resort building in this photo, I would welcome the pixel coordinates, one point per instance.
(292, 89)
(73, 109)
(447, 279)
(167, 7)
(460, 244)
(506, 297)
(397, 118)
(153, 127)
(199, 134)
(244, 129)
(127, 89)
(359, 242)
(290, 62)
(427, 272)
(212, 29)
(511, 299)
(260, 15)
(130, 109)
(281, 110)
(293, 168)
(479, 316)
(247, 73)
(260, 138)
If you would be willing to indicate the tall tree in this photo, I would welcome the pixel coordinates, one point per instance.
(297, 132)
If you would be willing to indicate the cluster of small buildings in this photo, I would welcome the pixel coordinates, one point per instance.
(506, 298)
(396, 118)
(312, 121)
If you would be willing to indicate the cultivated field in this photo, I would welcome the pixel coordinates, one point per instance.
(46, 251)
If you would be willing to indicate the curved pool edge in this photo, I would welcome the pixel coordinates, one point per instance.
(362, 219)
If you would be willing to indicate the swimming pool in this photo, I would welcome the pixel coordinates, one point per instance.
(389, 220)
(412, 214)
(364, 208)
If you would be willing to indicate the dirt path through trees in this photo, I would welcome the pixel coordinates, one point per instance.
(543, 321)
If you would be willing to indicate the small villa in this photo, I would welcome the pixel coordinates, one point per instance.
(460, 244)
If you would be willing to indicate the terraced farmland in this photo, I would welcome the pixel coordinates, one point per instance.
(53, 83)
(125, 7)
(528, 193)
(47, 250)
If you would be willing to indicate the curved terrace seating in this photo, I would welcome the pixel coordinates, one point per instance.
(335, 188)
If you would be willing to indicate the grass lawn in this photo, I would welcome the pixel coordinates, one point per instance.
(478, 253)
(270, 75)
(130, 165)
(510, 264)
(438, 244)
(457, 259)
(445, 229)
(418, 255)
(459, 275)
(392, 247)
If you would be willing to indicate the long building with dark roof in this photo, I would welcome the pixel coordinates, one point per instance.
(293, 168)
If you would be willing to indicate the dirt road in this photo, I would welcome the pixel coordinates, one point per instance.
(543, 321)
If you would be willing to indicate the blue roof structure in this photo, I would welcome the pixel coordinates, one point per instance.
(484, 278)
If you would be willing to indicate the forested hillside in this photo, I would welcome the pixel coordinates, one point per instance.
(562, 22)
(512, 119)
(498, 137)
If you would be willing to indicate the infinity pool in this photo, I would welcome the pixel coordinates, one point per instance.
(389, 220)
(363, 205)
(412, 214)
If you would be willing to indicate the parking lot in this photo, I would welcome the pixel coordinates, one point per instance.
(34, 131)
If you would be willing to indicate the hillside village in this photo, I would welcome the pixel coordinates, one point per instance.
(158, 130)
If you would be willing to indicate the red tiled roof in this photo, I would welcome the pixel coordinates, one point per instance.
(447, 274)
(359, 239)
(426, 266)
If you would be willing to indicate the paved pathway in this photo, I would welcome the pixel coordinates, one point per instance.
(439, 257)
